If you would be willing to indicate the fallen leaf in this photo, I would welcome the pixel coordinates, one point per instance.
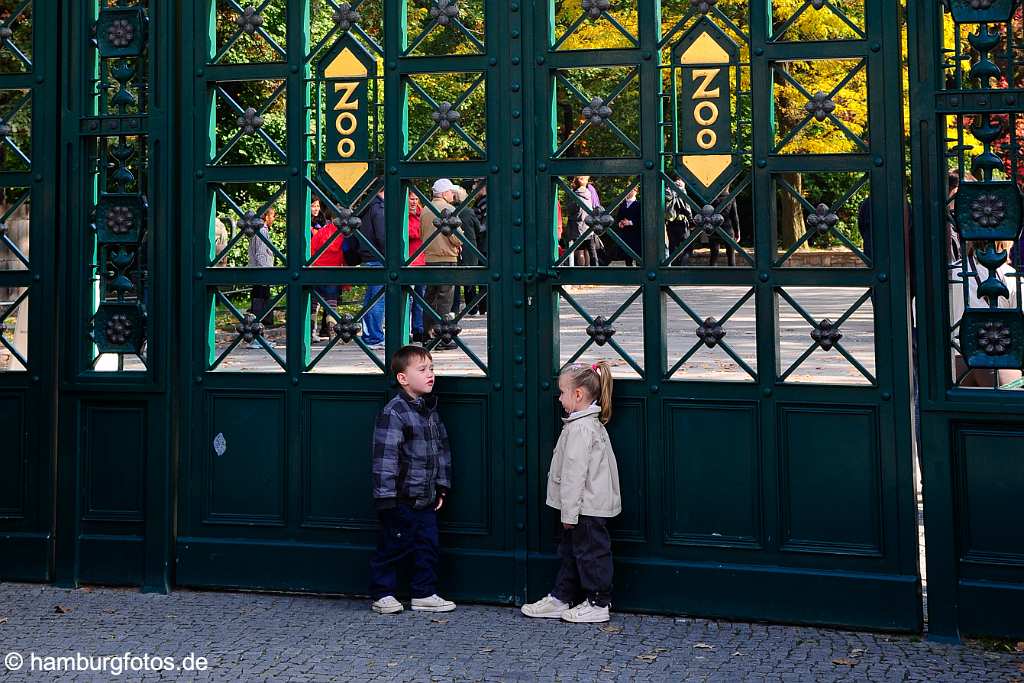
(660, 650)
(737, 654)
(843, 661)
(61, 609)
(647, 658)
(608, 628)
(486, 650)
(607, 669)
(392, 664)
(857, 652)
(704, 646)
(438, 621)
(3, 620)
(1019, 647)
(86, 589)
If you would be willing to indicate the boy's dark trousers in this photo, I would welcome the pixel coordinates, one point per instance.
(404, 532)
(586, 571)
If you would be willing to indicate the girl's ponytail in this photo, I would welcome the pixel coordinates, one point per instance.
(604, 372)
(596, 380)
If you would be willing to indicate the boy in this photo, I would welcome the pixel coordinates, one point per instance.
(412, 466)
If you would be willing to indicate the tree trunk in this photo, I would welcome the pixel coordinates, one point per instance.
(791, 214)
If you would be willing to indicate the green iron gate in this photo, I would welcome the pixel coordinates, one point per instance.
(762, 404)
(28, 85)
(761, 472)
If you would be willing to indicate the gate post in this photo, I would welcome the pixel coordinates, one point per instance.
(966, 117)
(115, 444)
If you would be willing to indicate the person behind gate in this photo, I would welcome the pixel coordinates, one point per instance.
(412, 467)
(583, 483)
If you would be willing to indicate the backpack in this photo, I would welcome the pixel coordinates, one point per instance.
(350, 250)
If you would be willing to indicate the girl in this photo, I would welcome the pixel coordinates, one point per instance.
(584, 484)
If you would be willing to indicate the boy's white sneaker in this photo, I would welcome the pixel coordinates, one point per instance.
(586, 613)
(548, 607)
(435, 603)
(387, 605)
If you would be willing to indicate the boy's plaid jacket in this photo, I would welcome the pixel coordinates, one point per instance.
(412, 459)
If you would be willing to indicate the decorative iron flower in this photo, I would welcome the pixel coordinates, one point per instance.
(988, 210)
(447, 222)
(445, 11)
(346, 220)
(817, 4)
(703, 6)
(346, 17)
(5, 128)
(595, 8)
(249, 20)
(710, 332)
(600, 330)
(120, 33)
(3, 229)
(249, 328)
(708, 219)
(820, 106)
(448, 330)
(597, 112)
(346, 329)
(826, 334)
(445, 115)
(5, 328)
(251, 223)
(994, 338)
(120, 219)
(6, 33)
(250, 121)
(118, 329)
(600, 220)
(823, 219)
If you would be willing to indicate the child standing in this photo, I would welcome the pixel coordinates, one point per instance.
(583, 483)
(411, 476)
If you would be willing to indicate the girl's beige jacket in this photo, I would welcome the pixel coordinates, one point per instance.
(584, 477)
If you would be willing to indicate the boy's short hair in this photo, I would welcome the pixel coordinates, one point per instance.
(406, 356)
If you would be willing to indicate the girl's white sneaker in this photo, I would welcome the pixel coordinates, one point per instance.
(387, 605)
(586, 613)
(548, 607)
(435, 603)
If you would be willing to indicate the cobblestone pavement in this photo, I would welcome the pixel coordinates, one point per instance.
(252, 637)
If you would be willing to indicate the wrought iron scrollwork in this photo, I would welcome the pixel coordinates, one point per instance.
(119, 215)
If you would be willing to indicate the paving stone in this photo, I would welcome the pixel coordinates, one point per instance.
(251, 636)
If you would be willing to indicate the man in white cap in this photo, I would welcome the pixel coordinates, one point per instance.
(442, 249)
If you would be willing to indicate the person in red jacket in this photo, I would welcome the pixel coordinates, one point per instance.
(324, 232)
(415, 242)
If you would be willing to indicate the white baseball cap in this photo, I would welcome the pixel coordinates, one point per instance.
(443, 185)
